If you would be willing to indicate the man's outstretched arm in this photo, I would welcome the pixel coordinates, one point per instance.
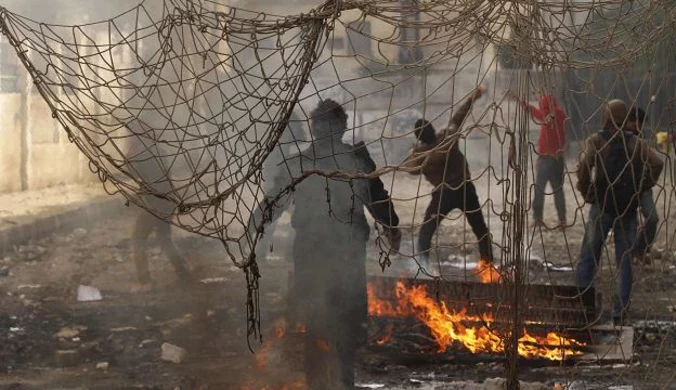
(461, 112)
(379, 204)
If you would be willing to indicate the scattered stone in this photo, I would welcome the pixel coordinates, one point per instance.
(4, 270)
(122, 329)
(70, 332)
(31, 252)
(102, 366)
(146, 343)
(66, 358)
(172, 353)
(500, 384)
(88, 294)
(80, 232)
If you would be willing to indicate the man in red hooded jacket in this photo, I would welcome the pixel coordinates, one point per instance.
(550, 166)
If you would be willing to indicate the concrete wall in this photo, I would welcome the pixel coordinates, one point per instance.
(29, 133)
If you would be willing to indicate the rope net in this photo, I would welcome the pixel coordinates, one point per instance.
(192, 109)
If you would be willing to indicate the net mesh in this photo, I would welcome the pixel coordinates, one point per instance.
(179, 108)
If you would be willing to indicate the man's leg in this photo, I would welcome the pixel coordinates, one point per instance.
(646, 236)
(440, 205)
(163, 230)
(475, 217)
(625, 236)
(142, 229)
(596, 232)
(350, 298)
(557, 179)
(542, 174)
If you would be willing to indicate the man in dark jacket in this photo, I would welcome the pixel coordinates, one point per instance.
(439, 159)
(329, 251)
(646, 236)
(615, 168)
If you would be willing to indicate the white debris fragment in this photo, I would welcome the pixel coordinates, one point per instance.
(88, 294)
(214, 280)
(16, 329)
(172, 353)
(122, 329)
(24, 286)
(369, 385)
(102, 366)
(80, 232)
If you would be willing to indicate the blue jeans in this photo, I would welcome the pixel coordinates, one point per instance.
(650, 221)
(598, 226)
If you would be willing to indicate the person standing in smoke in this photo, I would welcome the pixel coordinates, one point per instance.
(329, 251)
(146, 160)
(439, 159)
(289, 144)
(551, 164)
(646, 236)
(615, 168)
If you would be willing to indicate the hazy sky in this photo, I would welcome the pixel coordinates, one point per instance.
(68, 11)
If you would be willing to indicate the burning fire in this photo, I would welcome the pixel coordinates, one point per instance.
(487, 273)
(448, 326)
(297, 385)
(269, 353)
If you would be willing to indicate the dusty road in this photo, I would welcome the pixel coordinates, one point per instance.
(115, 343)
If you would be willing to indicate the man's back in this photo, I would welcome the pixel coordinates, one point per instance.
(611, 159)
(326, 207)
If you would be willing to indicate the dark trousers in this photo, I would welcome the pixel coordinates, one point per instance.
(146, 223)
(549, 169)
(329, 293)
(446, 199)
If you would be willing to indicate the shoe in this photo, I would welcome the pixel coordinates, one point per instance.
(536, 224)
(618, 321)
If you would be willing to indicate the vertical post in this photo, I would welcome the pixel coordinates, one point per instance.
(520, 169)
(23, 80)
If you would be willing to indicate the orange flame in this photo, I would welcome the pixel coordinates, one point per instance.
(297, 385)
(487, 273)
(263, 356)
(448, 326)
(323, 345)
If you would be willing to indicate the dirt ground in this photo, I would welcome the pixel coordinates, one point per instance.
(115, 343)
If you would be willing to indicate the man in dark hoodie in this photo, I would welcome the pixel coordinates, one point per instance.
(329, 252)
(439, 159)
(551, 165)
(615, 168)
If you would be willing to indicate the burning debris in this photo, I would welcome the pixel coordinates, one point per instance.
(474, 332)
